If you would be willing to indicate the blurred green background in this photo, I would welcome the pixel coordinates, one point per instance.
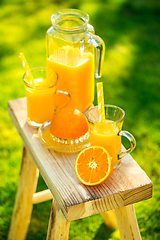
(131, 77)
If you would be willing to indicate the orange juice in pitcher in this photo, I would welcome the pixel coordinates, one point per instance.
(71, 44)
(76, 75)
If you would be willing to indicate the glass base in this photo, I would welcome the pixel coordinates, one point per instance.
(117, 165)
(34, 124)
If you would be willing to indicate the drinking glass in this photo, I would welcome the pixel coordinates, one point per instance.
(41, 95)
(108, 132)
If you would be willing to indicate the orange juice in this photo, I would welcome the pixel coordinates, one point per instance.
(40, 102)
(76, 75)
(107, 137)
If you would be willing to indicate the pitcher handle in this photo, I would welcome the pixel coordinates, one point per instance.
(90, 28)
(132, 140)
(99, 45)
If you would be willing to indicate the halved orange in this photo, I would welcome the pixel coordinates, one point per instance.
(69, 124)
(93, 165)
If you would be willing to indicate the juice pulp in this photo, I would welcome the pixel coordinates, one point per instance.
(76, 76)
(107, 137)
(40, 102)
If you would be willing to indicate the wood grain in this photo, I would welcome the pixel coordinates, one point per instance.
(127, 185)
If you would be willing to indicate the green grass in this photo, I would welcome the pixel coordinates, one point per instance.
(131, 76)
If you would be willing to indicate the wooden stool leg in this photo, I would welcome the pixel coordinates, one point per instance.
(127, 223)
(109, 219)
(58, 228)
(23, 203)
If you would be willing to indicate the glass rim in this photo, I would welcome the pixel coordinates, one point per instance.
(40, 87)
(104, 123)
(72, 12)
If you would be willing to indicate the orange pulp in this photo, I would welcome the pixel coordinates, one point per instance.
(93, 165)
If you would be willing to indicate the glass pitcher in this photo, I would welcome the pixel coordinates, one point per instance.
(76, 54)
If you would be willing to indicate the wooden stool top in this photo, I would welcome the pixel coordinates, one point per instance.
(127, 185)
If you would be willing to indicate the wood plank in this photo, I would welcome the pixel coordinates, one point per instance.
(127, 185)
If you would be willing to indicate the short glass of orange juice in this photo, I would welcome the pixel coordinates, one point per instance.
(41, 95)
(108, 132)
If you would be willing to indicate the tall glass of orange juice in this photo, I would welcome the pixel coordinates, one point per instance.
(40, 94)
(76, 54)
(108, 132)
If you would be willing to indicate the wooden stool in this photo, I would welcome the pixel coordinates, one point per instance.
(72, 200)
